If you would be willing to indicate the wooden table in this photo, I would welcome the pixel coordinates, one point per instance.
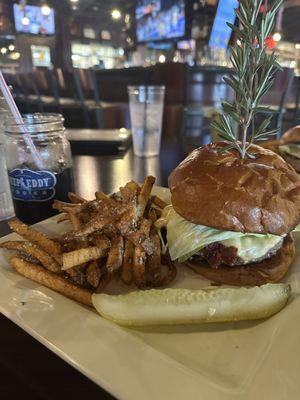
(28, 370)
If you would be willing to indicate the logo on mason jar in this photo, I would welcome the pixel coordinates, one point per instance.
(30, 185)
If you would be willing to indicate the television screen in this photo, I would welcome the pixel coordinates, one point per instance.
(165, 21)
(30, 19)
(221, 33)
(147, 7)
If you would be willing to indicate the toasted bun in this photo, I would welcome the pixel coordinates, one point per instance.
(269, 270)
(220, 190)
(272, 145)
(291, 136)
(293, 161)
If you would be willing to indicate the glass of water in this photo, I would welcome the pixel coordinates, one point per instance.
(146, 104)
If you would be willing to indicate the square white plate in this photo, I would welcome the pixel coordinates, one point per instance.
(247, 360)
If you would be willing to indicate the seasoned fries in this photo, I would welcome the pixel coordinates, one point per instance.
(115, 256)
(111, 237)
(52, 281)
(35, 236)
(34, 251)
(126, 273)
(80, 256)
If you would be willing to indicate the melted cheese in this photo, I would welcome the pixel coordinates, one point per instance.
(185, 239)
(291, 149)
(252, 248)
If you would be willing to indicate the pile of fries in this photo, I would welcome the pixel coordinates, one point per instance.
(112, 237)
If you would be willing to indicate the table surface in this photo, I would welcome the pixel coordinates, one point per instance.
(27, 368)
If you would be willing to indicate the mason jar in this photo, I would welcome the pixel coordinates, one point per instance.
(6, 204)
(39, 165)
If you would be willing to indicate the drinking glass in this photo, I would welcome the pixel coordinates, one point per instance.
(146, 104)
(35, 185)
(6, 205)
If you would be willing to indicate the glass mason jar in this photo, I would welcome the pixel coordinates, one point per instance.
(39, 165)
(6, 204)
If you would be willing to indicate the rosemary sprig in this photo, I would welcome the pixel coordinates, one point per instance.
(253, 72)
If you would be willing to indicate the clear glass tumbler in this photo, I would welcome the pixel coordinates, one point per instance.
(146, 104)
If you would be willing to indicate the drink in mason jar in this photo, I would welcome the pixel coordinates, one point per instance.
(36, 183)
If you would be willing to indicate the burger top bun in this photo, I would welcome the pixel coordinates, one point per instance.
(220, 190)
(291, 136)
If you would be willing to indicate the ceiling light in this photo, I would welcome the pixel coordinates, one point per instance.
(45, 10)
(3, 50)
(11, 47)
(74, 1)
(277, 37)
(297, 46)
(116, 14)
(25, 20)
(161, 58)
(14, 56)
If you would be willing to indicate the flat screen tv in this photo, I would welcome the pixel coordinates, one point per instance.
(30, 19)
(160, 20)
(221, 33)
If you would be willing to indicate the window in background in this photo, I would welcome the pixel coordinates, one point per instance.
(95, 56)
(41, 56)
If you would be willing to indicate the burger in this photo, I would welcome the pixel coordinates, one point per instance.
(289, 147)
(231, 219)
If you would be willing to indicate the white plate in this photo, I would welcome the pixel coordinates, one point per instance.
(249, 360)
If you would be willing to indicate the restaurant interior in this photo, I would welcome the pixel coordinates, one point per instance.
(80, 59)
(80, 62)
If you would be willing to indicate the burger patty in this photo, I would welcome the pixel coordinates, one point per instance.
(216, 254)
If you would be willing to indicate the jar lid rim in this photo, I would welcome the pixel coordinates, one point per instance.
(35, 119)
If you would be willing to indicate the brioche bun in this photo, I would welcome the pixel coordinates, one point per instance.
(223, 191)
(291, 136)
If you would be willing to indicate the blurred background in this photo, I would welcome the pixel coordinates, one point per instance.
(77, 57)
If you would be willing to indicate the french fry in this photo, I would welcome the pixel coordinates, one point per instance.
(80, 256)
(169, 277)
(93, 274)
(62, 206)
(144, 195)
(159, 202)
(97, 223)
(115, 256)
(106, 199)
(138, 269)
(133, 186)
(74, 221)
(51, 280)
(35, 251)
(75, 198)
(104, 281)
(153, 263)
(77, 274)
(126, 273)
(50, 246)
(130, 191)
(112, 236)
(63, 217)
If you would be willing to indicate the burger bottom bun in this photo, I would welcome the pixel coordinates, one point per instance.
(269, 270)
(293, 161)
